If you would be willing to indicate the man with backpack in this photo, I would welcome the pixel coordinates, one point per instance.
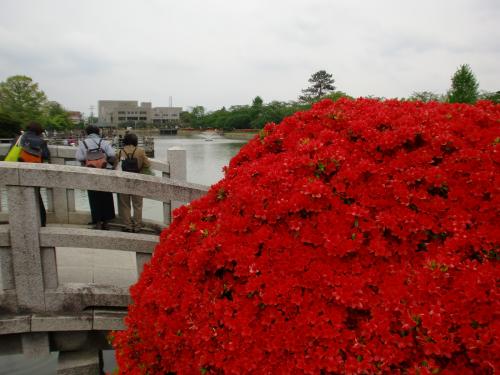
(95, 152)
(131, 159)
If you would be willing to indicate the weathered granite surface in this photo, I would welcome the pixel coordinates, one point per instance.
(74, 177)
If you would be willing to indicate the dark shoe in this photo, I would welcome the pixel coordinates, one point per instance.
(104, 226)
(127, 230)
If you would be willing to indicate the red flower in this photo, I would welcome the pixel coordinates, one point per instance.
(357, 237)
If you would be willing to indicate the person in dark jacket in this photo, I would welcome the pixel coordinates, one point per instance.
(101, 203)
(32, 141)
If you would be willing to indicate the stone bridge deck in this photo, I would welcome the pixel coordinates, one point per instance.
(41, 308)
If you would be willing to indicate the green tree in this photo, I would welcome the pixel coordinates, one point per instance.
(336, 95)
(256, 110)
(493, 96)
(237, 117)
(425, 96)
(185, 119)
(464, 86)
(21, 99)
(55, 117)
(197, 116)
(257, 102)
(9, 127)
(217, 119)
(321, 84)
(275, 112)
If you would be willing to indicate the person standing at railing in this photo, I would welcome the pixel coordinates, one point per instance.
(33, 149)
(133, 159)
(101, 203)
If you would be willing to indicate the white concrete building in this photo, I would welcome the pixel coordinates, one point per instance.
(115, 112)
(159, 115)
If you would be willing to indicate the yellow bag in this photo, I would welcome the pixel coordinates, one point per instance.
(14, 152)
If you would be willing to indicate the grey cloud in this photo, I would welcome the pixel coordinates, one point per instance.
(222, 53)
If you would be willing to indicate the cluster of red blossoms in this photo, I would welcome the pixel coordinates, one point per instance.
(359, 237)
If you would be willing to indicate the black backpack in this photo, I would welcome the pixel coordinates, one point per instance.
(130, 163)
(95, 157)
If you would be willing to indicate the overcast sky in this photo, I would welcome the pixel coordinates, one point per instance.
(224, 52)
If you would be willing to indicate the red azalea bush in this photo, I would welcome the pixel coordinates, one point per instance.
(359, 237)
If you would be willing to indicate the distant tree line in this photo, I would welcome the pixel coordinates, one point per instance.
(464, 89)
(22, 101)
(257, 114)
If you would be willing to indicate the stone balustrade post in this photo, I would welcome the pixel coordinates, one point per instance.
(177, 159)
(60, 198)
(24, 223)
(141, 260)
(167, 217)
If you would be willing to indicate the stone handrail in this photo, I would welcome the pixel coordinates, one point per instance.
(33, 305)
(30, 249)
(74, 177)
(61, 202)
(68, 154)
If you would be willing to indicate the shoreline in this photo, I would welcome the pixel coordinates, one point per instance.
(234, 134)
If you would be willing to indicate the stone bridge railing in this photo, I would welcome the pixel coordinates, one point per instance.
(62, 207)
(37, 313)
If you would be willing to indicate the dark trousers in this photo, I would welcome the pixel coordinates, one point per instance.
(102, 207)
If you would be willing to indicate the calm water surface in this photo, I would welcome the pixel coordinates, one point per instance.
(205, 159)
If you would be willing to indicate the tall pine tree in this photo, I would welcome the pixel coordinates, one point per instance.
(321, 84)
(464, 86)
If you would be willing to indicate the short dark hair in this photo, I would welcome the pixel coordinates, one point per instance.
(92, 129)
(130, 139)
(35, 127)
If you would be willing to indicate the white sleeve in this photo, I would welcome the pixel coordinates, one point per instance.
(109, 150)
(80, 152)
